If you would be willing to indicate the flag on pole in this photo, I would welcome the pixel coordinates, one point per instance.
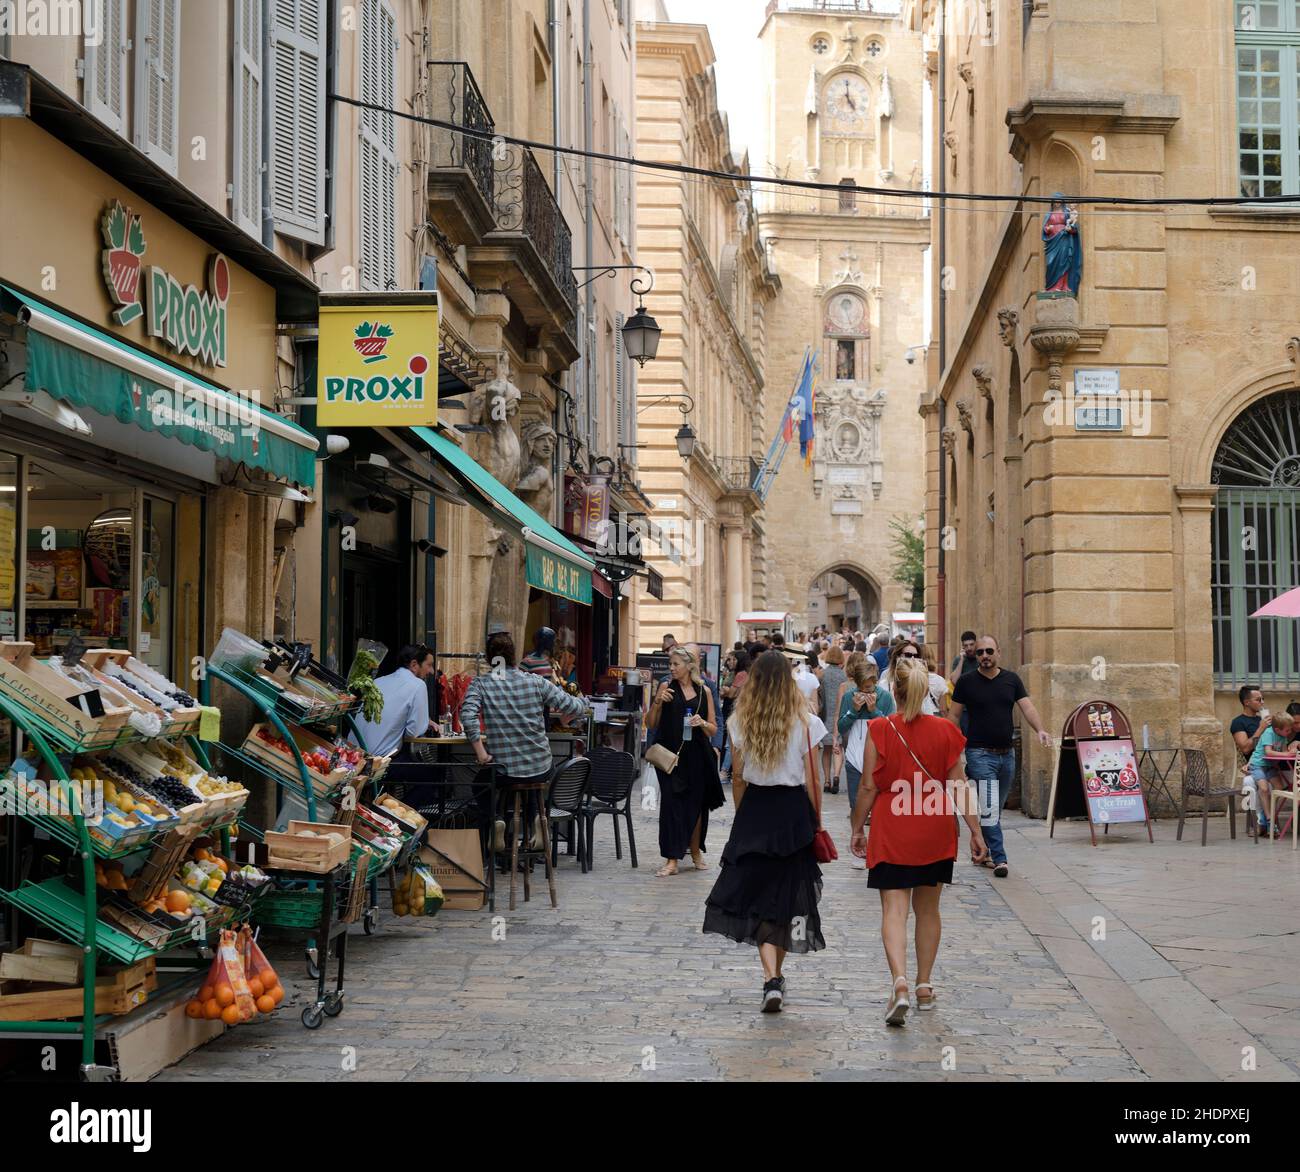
(804, 405)
(792, 417)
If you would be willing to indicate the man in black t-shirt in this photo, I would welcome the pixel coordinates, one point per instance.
(966, 661)
(989, 696)
(1247, 728)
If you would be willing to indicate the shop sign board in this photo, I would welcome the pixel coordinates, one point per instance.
(556, 576)
(1096, 772)
(586, 507)
(187, 319)
(377, 364)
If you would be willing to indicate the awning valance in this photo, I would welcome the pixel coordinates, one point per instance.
(554, 563)
(89, 368)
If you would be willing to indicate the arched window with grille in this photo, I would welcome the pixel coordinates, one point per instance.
(1255, 544)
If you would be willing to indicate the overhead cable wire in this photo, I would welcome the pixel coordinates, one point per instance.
(736, 177)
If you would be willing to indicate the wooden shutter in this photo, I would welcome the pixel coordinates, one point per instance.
(379, 166)
(296, 151)
(620, 379)
(104, 75)
(157, 80)
(246, 203)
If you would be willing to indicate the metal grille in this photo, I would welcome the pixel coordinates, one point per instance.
(457, 98)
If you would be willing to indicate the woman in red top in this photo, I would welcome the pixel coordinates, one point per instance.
(913, 841)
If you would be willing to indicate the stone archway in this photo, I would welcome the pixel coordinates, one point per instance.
(856, 594)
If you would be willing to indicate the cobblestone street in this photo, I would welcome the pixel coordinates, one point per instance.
(621, 984)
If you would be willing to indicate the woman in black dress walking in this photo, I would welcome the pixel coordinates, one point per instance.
(692, 789)
(770, 884)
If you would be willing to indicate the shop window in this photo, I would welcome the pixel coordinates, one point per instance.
(1255, 544)
(1268, 96)
(848, 197)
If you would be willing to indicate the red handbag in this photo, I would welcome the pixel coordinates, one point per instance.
(823, 844)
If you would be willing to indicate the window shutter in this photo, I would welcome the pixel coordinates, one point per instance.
(379, 166)
(296, 152)
(105, 69)
(246, 204)
(157, 80)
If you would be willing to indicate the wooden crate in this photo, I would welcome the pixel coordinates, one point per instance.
(151, 883)
(117, 991)
(178, 722)
(290, 852)
(43, 961)
(39, 688)
(322, 783)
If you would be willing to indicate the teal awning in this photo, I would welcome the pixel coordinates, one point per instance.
(91, 368)
(554, 563)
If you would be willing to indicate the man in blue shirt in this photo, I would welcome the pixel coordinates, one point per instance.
(880, 653)
(406, 704)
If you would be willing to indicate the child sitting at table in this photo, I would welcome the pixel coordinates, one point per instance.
(1261, 775)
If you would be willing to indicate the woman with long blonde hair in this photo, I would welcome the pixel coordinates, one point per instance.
(769, 886)
(913, 782)
(683, 720)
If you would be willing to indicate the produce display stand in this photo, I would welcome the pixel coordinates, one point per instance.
(306, 899)
(69, 905)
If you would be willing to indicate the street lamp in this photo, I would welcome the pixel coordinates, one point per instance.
(641, 333)
(686, 441)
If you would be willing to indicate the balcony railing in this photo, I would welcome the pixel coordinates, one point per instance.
(739, 474)
(524, 203)
(455, 97)
(866, 7)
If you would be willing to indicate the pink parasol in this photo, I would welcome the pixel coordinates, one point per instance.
(1284, 606)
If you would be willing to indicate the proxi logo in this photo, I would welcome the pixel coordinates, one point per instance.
(53, 18)
(103, 1125)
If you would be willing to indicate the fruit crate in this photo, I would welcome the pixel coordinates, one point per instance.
(282, 763)
(177, 722)
(117, 991)
(49, 700)
(61, 827)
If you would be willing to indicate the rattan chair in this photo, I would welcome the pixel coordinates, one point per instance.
(1196, 783)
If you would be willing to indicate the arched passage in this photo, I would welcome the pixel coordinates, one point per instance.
(843, 595)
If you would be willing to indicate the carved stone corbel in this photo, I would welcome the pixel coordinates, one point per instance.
(1008, 321)
(965, 418)
(948, 441)
(983, 375)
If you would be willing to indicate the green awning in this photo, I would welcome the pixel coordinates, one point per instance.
(554, 563)
(91, 368)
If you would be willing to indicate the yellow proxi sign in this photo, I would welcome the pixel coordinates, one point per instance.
(378, 364)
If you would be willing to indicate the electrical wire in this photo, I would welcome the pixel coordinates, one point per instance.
(836, 189)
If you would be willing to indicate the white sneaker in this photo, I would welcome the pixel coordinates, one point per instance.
(858, 864)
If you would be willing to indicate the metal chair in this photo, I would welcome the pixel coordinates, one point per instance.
(613, 774)
(1196, 783)
(565, 800)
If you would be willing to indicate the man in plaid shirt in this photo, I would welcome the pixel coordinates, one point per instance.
(513, 705)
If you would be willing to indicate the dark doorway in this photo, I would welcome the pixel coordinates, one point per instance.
(375, 603)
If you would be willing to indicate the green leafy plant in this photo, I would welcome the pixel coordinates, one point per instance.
(365, 329)
(907, 548)
(115, 226)
(384, 332)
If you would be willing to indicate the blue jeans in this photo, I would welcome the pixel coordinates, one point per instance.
(988, 768)
(853, 777)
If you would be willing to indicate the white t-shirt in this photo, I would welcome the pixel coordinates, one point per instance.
(789, 771)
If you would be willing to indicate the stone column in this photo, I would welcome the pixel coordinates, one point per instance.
(735, 569)
(1200, 728)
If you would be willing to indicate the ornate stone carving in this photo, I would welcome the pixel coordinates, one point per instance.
(849, 273)
(948, 440)
(1293, 357)
(983, 375)
(849, 416)
(965, 418)
(1055, 333)
(536, 486)
(1008, 321)
(966, 71)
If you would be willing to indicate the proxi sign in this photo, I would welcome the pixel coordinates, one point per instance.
(378, 363)
(187, 319)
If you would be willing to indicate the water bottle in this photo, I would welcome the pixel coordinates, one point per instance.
(686, 725)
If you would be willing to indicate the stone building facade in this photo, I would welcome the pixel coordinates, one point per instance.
(1117, 544)
(843, 104)
(714, 291)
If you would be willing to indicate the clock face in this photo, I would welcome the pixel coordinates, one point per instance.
(846, 315)
(847, 102)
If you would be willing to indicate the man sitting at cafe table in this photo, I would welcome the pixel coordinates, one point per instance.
(513, 707)
(1261, 774)
(1249, 726)
(406, 704)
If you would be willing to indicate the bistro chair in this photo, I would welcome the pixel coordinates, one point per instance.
(613, 775)
(1196, 783)
(1275, 798)
(570, 786)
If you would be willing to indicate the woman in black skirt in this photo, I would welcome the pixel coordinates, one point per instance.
(692, 789)
(770, 884)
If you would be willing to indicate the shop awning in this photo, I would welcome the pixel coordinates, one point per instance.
(90, 368)
(554, 563)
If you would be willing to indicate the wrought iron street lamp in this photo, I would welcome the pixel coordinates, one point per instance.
(641, 333)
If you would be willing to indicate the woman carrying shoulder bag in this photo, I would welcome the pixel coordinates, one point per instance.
(769, 886)
(687, 766)
(913, 841)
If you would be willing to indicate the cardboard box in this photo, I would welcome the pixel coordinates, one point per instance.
(449, 855)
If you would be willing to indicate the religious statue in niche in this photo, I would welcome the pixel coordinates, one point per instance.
(1062, 248)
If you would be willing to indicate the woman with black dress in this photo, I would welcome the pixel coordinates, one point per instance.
(770, 884)
(686, 796)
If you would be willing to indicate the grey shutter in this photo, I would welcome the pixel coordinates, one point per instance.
(620, 379)
(379, 166)
(246, 204)
(105, 69)
(296, 151)
(157, 80)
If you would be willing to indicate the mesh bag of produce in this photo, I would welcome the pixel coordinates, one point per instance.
(225, 994)
(263, 983)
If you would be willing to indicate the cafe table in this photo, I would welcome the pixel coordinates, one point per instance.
(1157, 780)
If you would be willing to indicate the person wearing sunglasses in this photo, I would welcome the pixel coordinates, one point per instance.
(989, 696)
(936, 698)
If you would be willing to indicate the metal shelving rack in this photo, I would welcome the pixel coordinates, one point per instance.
(73, 914)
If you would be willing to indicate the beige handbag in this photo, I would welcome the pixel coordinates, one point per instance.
(661, 758)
